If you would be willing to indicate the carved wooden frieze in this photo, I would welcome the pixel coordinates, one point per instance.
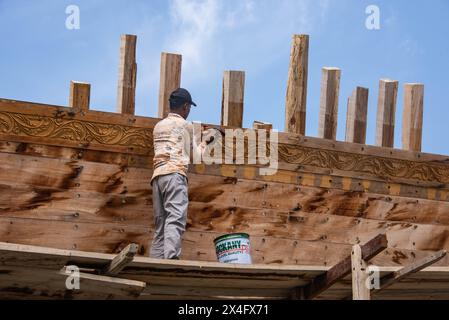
(79, 131)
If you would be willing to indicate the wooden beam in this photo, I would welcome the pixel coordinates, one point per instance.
(126, 92)
(330, 86)
(262, 125)
(170, 80)
(104, 284)
(386, 110)
(418, 265)
(296, 100)
(360, 290)
(79, 98)
(412, 118)
(356, 116)
(232, 99)
(343, 268)
(125, 257)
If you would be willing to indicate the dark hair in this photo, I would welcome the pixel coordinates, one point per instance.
(176, 103)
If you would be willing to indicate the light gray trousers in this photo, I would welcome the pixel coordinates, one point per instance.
(170, 202)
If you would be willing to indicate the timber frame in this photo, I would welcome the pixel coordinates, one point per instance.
(74, 182)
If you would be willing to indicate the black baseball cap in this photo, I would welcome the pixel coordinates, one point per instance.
(182, 95)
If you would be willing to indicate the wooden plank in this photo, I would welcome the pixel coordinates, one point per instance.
(296, 100)
(104, 284)
(170, 80)
(124, 258)
(360, 290)
(356, 116)
(340, 270)
(419, 265)
(79, 98)
(126, 92)
(261, 125)
(232, 98)
(386, 110)
(330, 87)
(412, 118)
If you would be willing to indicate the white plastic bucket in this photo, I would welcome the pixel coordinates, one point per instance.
(233, 248)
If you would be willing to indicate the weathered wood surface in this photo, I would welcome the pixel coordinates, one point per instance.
(296, 97)
(330, 89)
(386, 113)
(356, 116)
(170, 80)
(233, 96)
(412, 119)
(82, 181)
(126, 88)
(33, 273)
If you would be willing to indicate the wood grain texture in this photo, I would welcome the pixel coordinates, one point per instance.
(233, 99)
(296, 97)
(356, 117)
(412, 119)
(79, 98)
(330, 88)
(126, 89)
(170, 80)
(386, 111)
(360, 290)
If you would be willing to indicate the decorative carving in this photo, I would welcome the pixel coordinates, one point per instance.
(74, 130)
(82, 131)
(374, 165)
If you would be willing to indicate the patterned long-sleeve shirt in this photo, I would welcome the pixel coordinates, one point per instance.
(173, 138)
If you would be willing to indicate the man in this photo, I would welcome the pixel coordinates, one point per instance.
(172, 137)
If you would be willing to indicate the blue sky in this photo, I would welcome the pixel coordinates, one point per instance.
(40, 56)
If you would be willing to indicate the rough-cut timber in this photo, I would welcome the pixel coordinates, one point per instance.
(170, 80)
(79, 98)
(233, 98)
(126, 92)
(412, 116)
(356, 116)
(360, 290)
(386, 111)
(330, 87)
(296, 100)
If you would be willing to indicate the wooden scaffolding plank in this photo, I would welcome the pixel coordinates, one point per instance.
(360, 290)
(125, 257)
(296, 100)
(343, 268)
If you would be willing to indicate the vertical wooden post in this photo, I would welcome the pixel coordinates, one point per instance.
(386, 110)
(412, 116)
(232, 98)
(360, 290)
(79, 98)
(330, 87)
(296, 100)
(126, 92)
(170, 80)
(356, 116)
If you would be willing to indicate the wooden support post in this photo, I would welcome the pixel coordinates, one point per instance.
(170, 80)
(79, 96)
(125, 257)
(356, 116)
(393, 277)
(295, 108)
(126, 93)
(412, 116)
(330, 86)
(360, 290)
(343, 268)
(386, 110)
(262, 125)
(232, 99)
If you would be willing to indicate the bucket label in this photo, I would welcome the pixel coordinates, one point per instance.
(234, 251)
